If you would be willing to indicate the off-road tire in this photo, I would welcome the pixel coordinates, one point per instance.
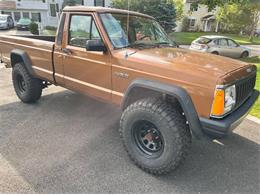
(27, 88)
(172, 126)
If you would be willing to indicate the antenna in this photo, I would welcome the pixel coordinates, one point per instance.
(127, 25)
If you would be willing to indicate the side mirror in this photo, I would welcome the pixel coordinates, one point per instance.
(95, 45)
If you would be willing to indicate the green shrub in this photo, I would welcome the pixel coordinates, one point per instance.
(52, 28)
(34, 28)
(185, 24)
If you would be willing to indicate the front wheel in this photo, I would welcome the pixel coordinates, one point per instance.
(155, 135)
(27, 88)
(245, 54)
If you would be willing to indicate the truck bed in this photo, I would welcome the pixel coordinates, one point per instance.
(38, 49)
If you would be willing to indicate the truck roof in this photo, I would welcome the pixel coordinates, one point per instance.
(102, 10)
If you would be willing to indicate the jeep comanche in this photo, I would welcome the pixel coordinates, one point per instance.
(167, 94)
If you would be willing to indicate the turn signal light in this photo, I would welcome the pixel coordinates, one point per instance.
(218, 103)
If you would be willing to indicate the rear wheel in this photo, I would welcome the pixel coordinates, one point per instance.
(27, 88)
(215, 53)
(155, 135)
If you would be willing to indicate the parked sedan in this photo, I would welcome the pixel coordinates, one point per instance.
(6, 22)
(220, 45)
(23, 24)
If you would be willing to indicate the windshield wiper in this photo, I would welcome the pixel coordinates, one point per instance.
(142, 45)
(165, 43)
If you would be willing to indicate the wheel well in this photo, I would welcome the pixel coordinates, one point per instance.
(215, 52)
(15, 58)
(138, 93)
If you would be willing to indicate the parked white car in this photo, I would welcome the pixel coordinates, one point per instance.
(220, 45)
(6, 22)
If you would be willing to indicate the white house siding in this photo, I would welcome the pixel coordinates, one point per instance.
(92, 2)
(196, 15)
(38, 6)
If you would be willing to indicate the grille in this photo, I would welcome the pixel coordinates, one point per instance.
(244, 89)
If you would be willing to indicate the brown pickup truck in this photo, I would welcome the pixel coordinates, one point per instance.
(167, 94)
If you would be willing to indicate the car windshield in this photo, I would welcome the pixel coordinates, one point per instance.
(142, 31)
(3, 18)
(24, 21)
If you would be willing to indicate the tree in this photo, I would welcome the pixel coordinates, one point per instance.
(162, 10)
(255, 18)
(212, 4)
(240, 17)
(237, 14)
(72, 3)
(179, 7)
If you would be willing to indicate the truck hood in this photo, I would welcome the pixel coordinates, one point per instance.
(195, 61)
(183, 65)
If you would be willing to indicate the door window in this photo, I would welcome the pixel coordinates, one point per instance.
(222, 42)
(82, 28)
(231, 43)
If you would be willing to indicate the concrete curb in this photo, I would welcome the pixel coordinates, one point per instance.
(254, 119)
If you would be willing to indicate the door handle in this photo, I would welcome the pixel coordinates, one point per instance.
(66, 51)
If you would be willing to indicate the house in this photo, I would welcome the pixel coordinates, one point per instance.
(45, 12)
(199, 17)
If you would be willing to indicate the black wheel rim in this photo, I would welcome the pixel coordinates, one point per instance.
(148, 138)
(21, 83)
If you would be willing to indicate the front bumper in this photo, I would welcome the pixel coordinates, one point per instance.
(22, 27)
(3, 27)
(221, 127)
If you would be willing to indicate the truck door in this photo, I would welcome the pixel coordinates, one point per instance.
(85, 71)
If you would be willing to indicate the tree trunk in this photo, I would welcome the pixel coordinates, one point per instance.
(252, 34)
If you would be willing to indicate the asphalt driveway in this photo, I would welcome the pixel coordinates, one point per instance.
(69, 143)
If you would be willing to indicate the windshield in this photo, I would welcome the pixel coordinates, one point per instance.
(24, 21)
(142, 31)
(3, 18)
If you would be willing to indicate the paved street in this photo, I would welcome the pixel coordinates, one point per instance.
(14, 32)
(69, 143)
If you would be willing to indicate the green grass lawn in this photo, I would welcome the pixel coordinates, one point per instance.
(49, 32)
(256, 60)
(185, 38)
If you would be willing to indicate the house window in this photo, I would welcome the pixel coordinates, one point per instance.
(99, 3)
(192, 23)
(53, 10)
(26, 15)
(57, 7)
(194, 7)
(17, 16)
(36, 17)
(7, 13)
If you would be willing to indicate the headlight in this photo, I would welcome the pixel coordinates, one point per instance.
(224, 101)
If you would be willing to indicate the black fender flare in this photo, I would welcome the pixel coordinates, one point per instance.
(23, 57)
(181, 94)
